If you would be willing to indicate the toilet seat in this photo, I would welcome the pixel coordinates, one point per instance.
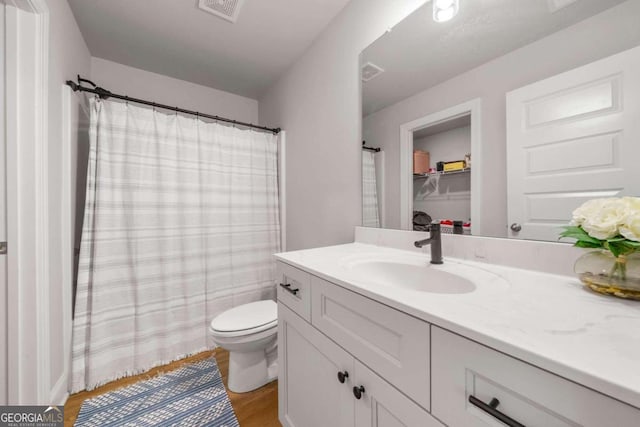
(246, 319)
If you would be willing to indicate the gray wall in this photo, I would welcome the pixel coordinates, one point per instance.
(138, 83)
(602, 35)
(318, 103)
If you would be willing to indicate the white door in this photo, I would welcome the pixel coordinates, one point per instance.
(31, 294)
(382, 405)
(309, 391)
(571, 138)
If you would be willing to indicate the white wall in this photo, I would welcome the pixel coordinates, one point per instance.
(445, 196)
(602, 35)
(137, 83)
(318, 103)
(68, 56)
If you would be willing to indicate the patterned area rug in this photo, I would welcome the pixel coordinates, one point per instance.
(192, 395)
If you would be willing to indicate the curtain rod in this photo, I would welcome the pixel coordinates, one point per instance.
(375, 150)
(104, 94)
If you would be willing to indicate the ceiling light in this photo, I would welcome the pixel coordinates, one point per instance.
(444, 10)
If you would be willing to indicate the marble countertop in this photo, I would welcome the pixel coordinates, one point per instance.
(547, 320)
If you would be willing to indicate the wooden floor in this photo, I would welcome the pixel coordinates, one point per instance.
(258, 408)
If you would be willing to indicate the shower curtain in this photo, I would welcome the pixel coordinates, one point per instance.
(181, 222)
(369, 191)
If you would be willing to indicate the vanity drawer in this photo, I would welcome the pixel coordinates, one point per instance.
(294, 289)
(391, 343)
(526, 394)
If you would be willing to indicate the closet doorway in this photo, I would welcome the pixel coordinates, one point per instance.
(440, 169)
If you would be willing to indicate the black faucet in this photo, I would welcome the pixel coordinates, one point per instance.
(435, 239)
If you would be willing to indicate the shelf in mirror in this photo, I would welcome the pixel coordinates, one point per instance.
(427, 175)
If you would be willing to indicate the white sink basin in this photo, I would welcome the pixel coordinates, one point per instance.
(416, 273)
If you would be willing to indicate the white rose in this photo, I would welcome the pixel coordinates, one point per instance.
(630, 227)
(589, 209)
(633, 204)
(604, 223)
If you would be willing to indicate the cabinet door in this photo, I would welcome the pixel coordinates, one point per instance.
(382, 405)
(309, 392)
(392, 343)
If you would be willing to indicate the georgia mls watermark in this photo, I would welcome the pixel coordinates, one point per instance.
(31, 416)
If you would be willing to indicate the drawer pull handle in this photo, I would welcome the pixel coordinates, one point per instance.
(342, 376)
(287, 287)
(491, 410)
(358, 392)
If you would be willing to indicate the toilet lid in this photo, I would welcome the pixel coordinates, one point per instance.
(246, 316)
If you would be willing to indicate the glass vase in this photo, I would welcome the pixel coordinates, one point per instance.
(607, 274)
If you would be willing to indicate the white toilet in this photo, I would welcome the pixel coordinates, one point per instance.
(249, 333)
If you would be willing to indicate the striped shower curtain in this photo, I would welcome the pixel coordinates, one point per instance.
(370, 217)
(181, 222)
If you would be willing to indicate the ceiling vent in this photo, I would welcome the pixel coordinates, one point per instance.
(225, 9)
(370, 71)
(556, 5)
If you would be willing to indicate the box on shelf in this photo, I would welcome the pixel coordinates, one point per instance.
(457, 165)
(421, 162)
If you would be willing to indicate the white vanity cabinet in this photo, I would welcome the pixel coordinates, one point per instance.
(344, 358)
(348, 360)
(393, 344)
(309, 391)
(382, 405)
(321, 385)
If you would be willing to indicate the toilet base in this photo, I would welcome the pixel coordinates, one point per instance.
(251, 370)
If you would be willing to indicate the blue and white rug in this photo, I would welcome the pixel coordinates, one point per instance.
(192, 395)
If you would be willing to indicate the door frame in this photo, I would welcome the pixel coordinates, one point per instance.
(472, 108)
(3, 218)
(27, 128)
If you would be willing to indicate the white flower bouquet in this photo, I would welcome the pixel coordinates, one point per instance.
(612, 224)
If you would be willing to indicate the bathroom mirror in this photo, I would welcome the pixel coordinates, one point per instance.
(503, 119)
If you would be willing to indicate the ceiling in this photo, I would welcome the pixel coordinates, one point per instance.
(175, 38)
(419, 53)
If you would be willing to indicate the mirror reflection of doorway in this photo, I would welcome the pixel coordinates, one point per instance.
(442, 175)
(437, 179)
